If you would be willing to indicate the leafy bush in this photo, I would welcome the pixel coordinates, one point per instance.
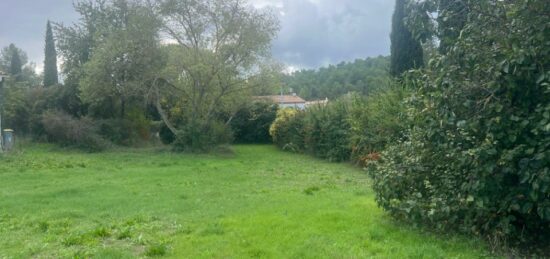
(376, 121)
(287, 130)
(478, 157)
(202, 138)
(64, 129)
(322, 131)
(251, 124)
(129, 131)
(166, 136)
(15, 109)
(327, 131)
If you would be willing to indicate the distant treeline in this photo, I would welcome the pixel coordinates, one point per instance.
(361, 76)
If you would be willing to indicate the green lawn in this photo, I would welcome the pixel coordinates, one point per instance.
(260, 202)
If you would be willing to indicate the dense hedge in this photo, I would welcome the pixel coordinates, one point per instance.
(351, 125)
(376, 121)
(327, 131)
(478, 156)
(287, 130)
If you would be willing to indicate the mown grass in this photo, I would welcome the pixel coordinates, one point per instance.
(258, 203)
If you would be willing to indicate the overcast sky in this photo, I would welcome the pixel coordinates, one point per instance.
(313, 33)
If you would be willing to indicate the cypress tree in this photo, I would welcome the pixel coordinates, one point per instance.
(50, 60)
(406, 51)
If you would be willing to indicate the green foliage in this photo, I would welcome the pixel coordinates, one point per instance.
(50, 61)
(251, 123)
(166, 136)
(13, 106)
(478, 156)
(210, 71)
(287, 130)
(125, 61)
(327, 130)
(7, 54)
(16, 65)
(68, 131)
(132, 130)
(363, 76)
(322, 131)
(197, 138)
(406, 51)
(376, 121)
(453, 16)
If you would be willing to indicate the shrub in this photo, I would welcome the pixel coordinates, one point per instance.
(322, 131)
(166, 136)
(64, 129)
(478, 157)
(376, 121)
(327, 130)
(15, 110)
(133, 129)
(202, 138)
(287, 130)
(251, 124)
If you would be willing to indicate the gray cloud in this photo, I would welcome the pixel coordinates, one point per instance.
(316, 33)
(313, 32)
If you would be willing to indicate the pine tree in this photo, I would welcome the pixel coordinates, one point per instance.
(406, 51)
(50, 61)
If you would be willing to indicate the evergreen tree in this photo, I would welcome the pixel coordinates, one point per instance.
(406, 51)
(50, 61)
(16, 65)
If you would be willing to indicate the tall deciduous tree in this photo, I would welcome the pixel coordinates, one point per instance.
(220, 44)
(126, 58)
(406, 51)
(50, 61)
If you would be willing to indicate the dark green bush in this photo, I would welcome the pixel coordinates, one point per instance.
(166, 136)
(478, 158)
(133, 129)
(251, 124)
(327, 130)
(202, 138)
(376, 121)
(66, 130)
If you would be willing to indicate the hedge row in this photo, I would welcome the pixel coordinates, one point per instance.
(350, 128)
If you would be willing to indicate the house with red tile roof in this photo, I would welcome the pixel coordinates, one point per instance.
(285, 101)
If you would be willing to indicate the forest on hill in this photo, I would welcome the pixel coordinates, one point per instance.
(363, 76)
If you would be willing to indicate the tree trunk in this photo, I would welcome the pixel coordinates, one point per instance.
(163, 116)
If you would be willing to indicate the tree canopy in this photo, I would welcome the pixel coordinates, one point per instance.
(363, 76)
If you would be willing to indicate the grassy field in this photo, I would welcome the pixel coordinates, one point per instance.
(259, 202)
